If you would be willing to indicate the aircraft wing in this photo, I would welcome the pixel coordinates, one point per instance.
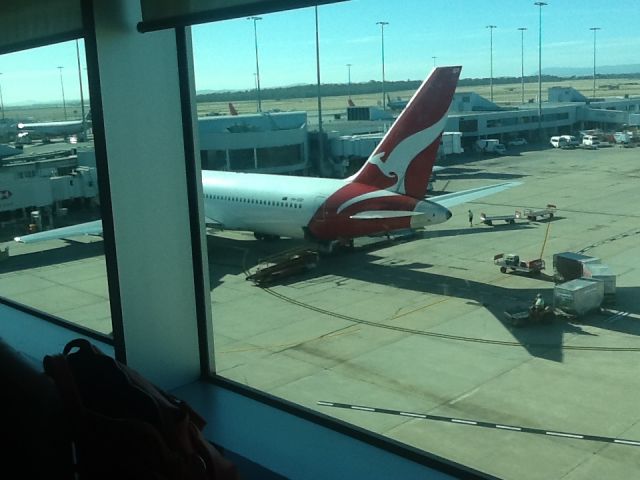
(213, 223)
(88, 228)
(452, 199)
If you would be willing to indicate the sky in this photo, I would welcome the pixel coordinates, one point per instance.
(453, 31)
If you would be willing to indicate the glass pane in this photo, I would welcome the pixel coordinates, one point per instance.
(347, 278)
(49, 197)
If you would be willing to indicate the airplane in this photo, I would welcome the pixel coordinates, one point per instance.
(48, 130)
(387, 194)
(397, 104)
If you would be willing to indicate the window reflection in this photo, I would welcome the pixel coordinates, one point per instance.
(50, 189)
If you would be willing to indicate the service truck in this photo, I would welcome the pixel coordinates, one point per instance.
(490, 145)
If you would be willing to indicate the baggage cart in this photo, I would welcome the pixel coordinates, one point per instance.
(511, 262)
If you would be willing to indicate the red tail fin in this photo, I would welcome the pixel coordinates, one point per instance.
(232, 109)
(403, 160)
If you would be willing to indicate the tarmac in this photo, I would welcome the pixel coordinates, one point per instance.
(412, 331)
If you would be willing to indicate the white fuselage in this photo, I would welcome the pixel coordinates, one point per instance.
(51, 129)
(270, 204)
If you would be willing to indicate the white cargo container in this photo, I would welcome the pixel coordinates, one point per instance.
(451, 143)
(602, 272)
(579, 296)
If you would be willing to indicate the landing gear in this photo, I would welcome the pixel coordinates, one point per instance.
(336, 246)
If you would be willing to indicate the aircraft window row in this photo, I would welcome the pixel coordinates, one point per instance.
(269, 203)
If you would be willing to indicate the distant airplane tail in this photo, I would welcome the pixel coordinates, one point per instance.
(232, 109)
(402, 162)
(350, 102)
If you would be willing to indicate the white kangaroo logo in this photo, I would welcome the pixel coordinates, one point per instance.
(401, 157)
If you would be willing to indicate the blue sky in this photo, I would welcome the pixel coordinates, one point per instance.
(454, 31)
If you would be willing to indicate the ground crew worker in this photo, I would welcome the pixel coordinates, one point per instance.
(539, 303)
(470, 218)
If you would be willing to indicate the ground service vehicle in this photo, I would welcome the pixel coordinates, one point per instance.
(622, 138)
(489, 219)
(284, 265)
(490, 145)
(558, 141)
(590, 141)
(511, 262)
(521, 315)
(517, 142)
(533, 214)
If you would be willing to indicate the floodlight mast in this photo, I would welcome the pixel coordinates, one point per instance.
(384, 102)
(594, 29)
(522, 29)
(491, 27)
(540, 5)
(255, 36)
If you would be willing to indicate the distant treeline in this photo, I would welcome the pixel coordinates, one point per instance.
(373, 86)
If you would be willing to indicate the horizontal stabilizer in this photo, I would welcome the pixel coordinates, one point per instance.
(381, 214)
(88, 228)
(456, 198)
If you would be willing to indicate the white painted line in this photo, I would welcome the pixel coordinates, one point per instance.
(506, 427)
(407, 414)
(569, 435)
(326, 404)
(627, 442)
(464, 421)
(366, 409)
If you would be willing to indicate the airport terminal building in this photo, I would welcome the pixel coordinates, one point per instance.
(262, 143)
(566, 111)
(279, 142)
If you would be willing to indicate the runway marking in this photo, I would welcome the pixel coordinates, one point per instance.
(462, 397)
(617, 315)
(507, 427)
(478, 423)
(610, 239)
(409, 312)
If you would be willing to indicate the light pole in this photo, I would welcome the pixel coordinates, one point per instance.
(64, 104)
(522, 29)
(595, 29)
(1, 102)
(320, 134)
(540, 5)
(84, 130)
(384, 101)
(434, 61)
(255, 36)
(491, 27)
(349, 79)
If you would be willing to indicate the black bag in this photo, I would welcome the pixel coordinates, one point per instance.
(125, 427)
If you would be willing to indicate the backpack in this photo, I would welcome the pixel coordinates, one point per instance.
(123, 426)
